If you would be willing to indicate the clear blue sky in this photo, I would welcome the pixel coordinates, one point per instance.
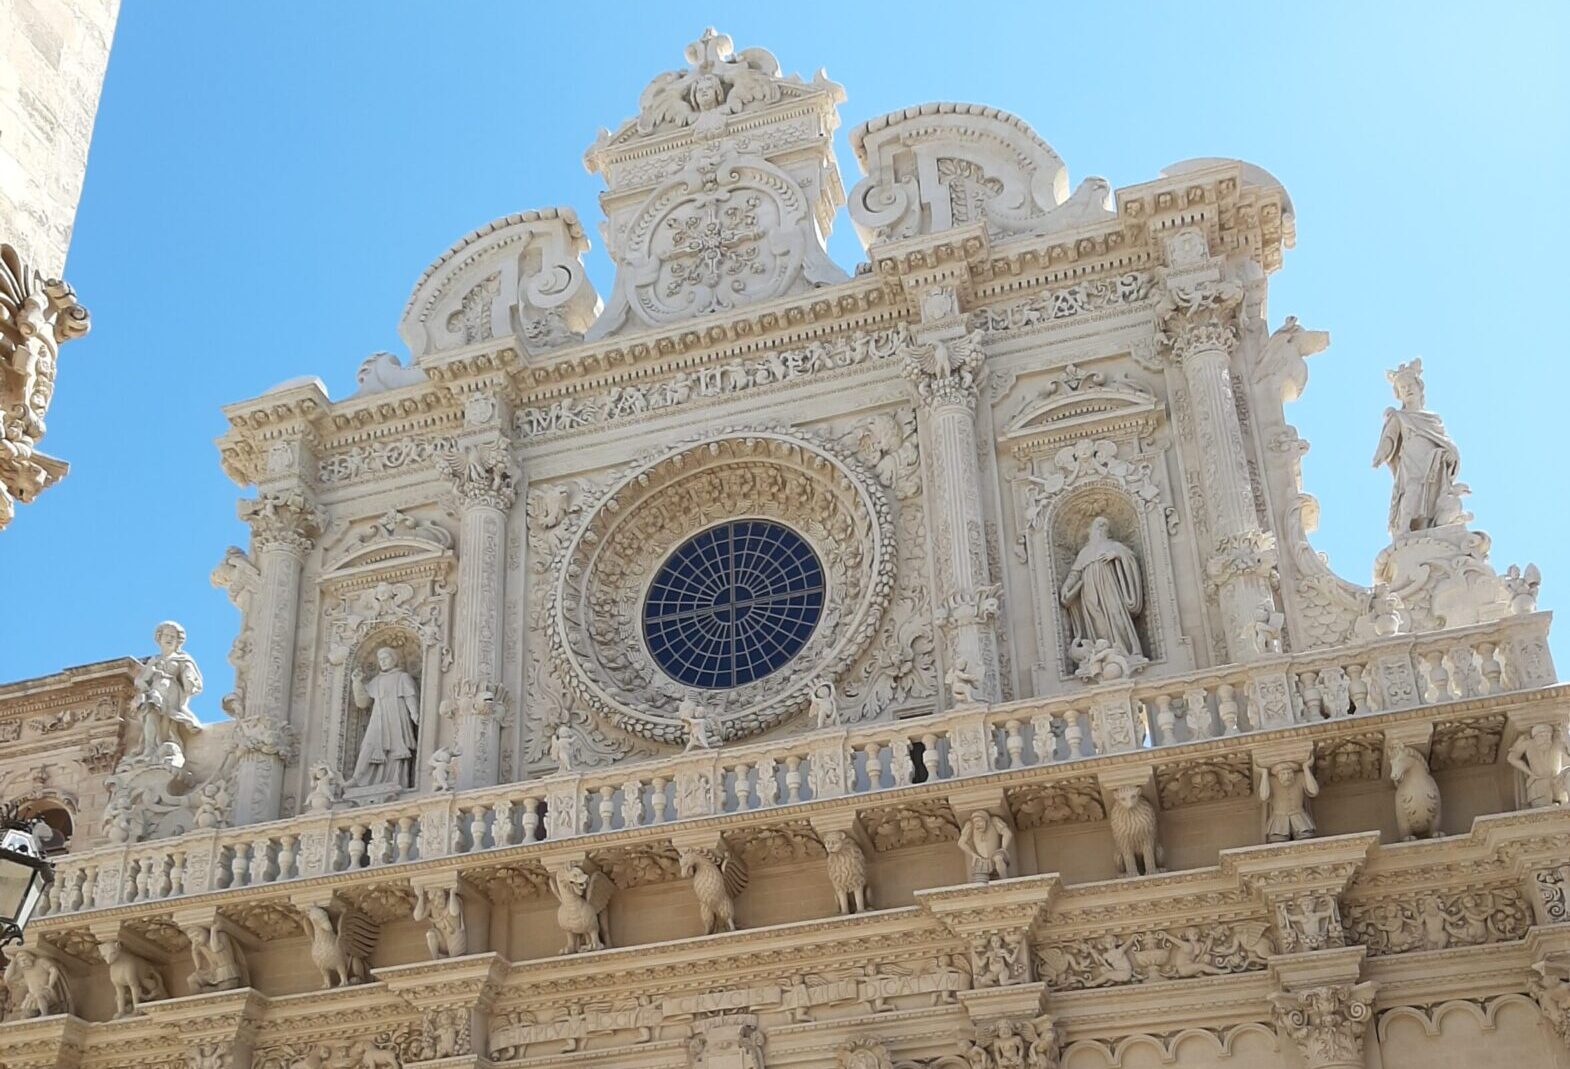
(268, 180)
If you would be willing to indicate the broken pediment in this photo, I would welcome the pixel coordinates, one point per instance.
(1079, 404)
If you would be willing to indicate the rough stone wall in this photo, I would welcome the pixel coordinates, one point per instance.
(52, 59)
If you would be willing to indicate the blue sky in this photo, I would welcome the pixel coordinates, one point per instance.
(267, 181)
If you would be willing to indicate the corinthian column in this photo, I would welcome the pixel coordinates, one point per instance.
(1199, 327)
(284, 526)
(1327, 1022)
(484, 480)
(945, 366)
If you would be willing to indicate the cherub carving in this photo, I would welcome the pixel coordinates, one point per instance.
(326, 788)
(443, 765)
(704, 731)
(564, 749)
(824, 704)
(962, 682)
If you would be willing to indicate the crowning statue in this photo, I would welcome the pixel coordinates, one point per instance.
(167, 682)
(1422, 458)
(1103, 593)
(387, 751)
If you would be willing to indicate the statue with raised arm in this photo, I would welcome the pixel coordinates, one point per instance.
(987, 842)
(1103, 592)
(387, 750)
(165, 685)
(1423, 460)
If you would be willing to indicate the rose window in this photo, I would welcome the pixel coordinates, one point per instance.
(733, 604)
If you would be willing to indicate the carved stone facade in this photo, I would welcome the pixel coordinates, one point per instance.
(916, 667)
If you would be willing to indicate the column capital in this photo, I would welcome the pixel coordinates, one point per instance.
(483, 476)
(1201, 317)
(945, 367)
(1326, 1023)
(287, 519)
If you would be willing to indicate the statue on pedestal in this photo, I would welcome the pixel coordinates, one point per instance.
(1423, 459)
(387, 750)
(1103, 592)
(165, 685)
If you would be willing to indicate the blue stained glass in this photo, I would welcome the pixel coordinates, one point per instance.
(733, 604)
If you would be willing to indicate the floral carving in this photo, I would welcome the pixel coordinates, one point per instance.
(1327, 1023)
(1078, 299)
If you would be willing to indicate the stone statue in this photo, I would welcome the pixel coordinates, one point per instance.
(1285, 788)
(962, 683)
(1417, 795)
(987, 842)
(1542, 757)
(447, 936)
(824, 704)
(1104, 592)
(1422, 458)
(341, 950)
(703, 727)
(165, 685)
(133, 977)
(583, 899)
(326, 788)
(847, 865)
(1133, 821)
(443, 763)
(217, 961)
(387, 750)
(564, 749)
(1265, 629)
(36, 985)
(718, 878)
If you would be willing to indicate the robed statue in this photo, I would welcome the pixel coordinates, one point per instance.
(165, 685)
(1104, 592)
(1423, 460)
(387, 750)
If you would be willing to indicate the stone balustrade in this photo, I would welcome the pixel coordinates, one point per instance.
(1230, 705)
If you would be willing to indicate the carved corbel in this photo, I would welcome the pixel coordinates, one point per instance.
(994, 923)
(217, 948)
(1129, 794)
(454, 998)
(847, 847)
(583, 896)
(342, 938)
(718, 875)
(1300, 885)
(135, 967)
(451, 910)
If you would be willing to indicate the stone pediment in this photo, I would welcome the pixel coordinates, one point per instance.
(520, 277)
(395, 545)
(1080, 404)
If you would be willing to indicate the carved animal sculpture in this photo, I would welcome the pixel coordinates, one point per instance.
(134, 979)
(1133, 821)
(341, 952)
(847, 871)
(583, 898)
(718, 876)
(1417, 795)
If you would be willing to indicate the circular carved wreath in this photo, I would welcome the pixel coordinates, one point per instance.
(601, 578)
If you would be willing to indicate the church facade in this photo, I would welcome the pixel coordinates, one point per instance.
(766, 664)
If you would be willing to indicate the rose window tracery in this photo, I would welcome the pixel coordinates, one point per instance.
(735, 570)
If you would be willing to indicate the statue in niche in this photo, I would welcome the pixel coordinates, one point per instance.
(1103, 593)
(1422, 458)
(387, 750)
(165, 685)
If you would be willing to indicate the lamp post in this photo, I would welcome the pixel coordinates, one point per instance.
(24, 875)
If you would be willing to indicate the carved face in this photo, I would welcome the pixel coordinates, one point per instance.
(1128, 797)
(386, 659)
(833, 841)
(168, 635)
(1285, 774)
(1542, 733)
(1100, 528)
(979, 821)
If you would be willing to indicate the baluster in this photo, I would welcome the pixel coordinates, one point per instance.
(386, 836)
(479, 825)
(1226, 708)
(1308, 690)
(902, 764)
(259, 860)
(1357, 687)
(874, 755)
(1166, 720)
(792, 780)
(740, 786)
(659, 802)
(288, 851)
(931, 760)
(1014, 744)
(768, 782)
(74, 891)
(403, 839)
(1073, 735)
(139, 880)
(239, 864)
(456, 845)
(1487, 652)
(356, 846)
(1196, 712)
(531, 819)
(632, 811)
(607, 808)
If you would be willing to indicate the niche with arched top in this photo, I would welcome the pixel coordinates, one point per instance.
(410, 657)
(1068, 526)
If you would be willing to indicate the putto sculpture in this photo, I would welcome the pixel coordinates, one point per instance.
(387, 749)
(165, 685)
(1423, 459)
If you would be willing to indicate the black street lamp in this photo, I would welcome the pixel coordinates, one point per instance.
(24, 875)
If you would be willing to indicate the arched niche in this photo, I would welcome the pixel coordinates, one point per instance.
(410, 656)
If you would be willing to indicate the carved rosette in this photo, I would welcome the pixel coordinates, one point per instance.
(601, 575)
(287, 520)
(1327, 1023)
